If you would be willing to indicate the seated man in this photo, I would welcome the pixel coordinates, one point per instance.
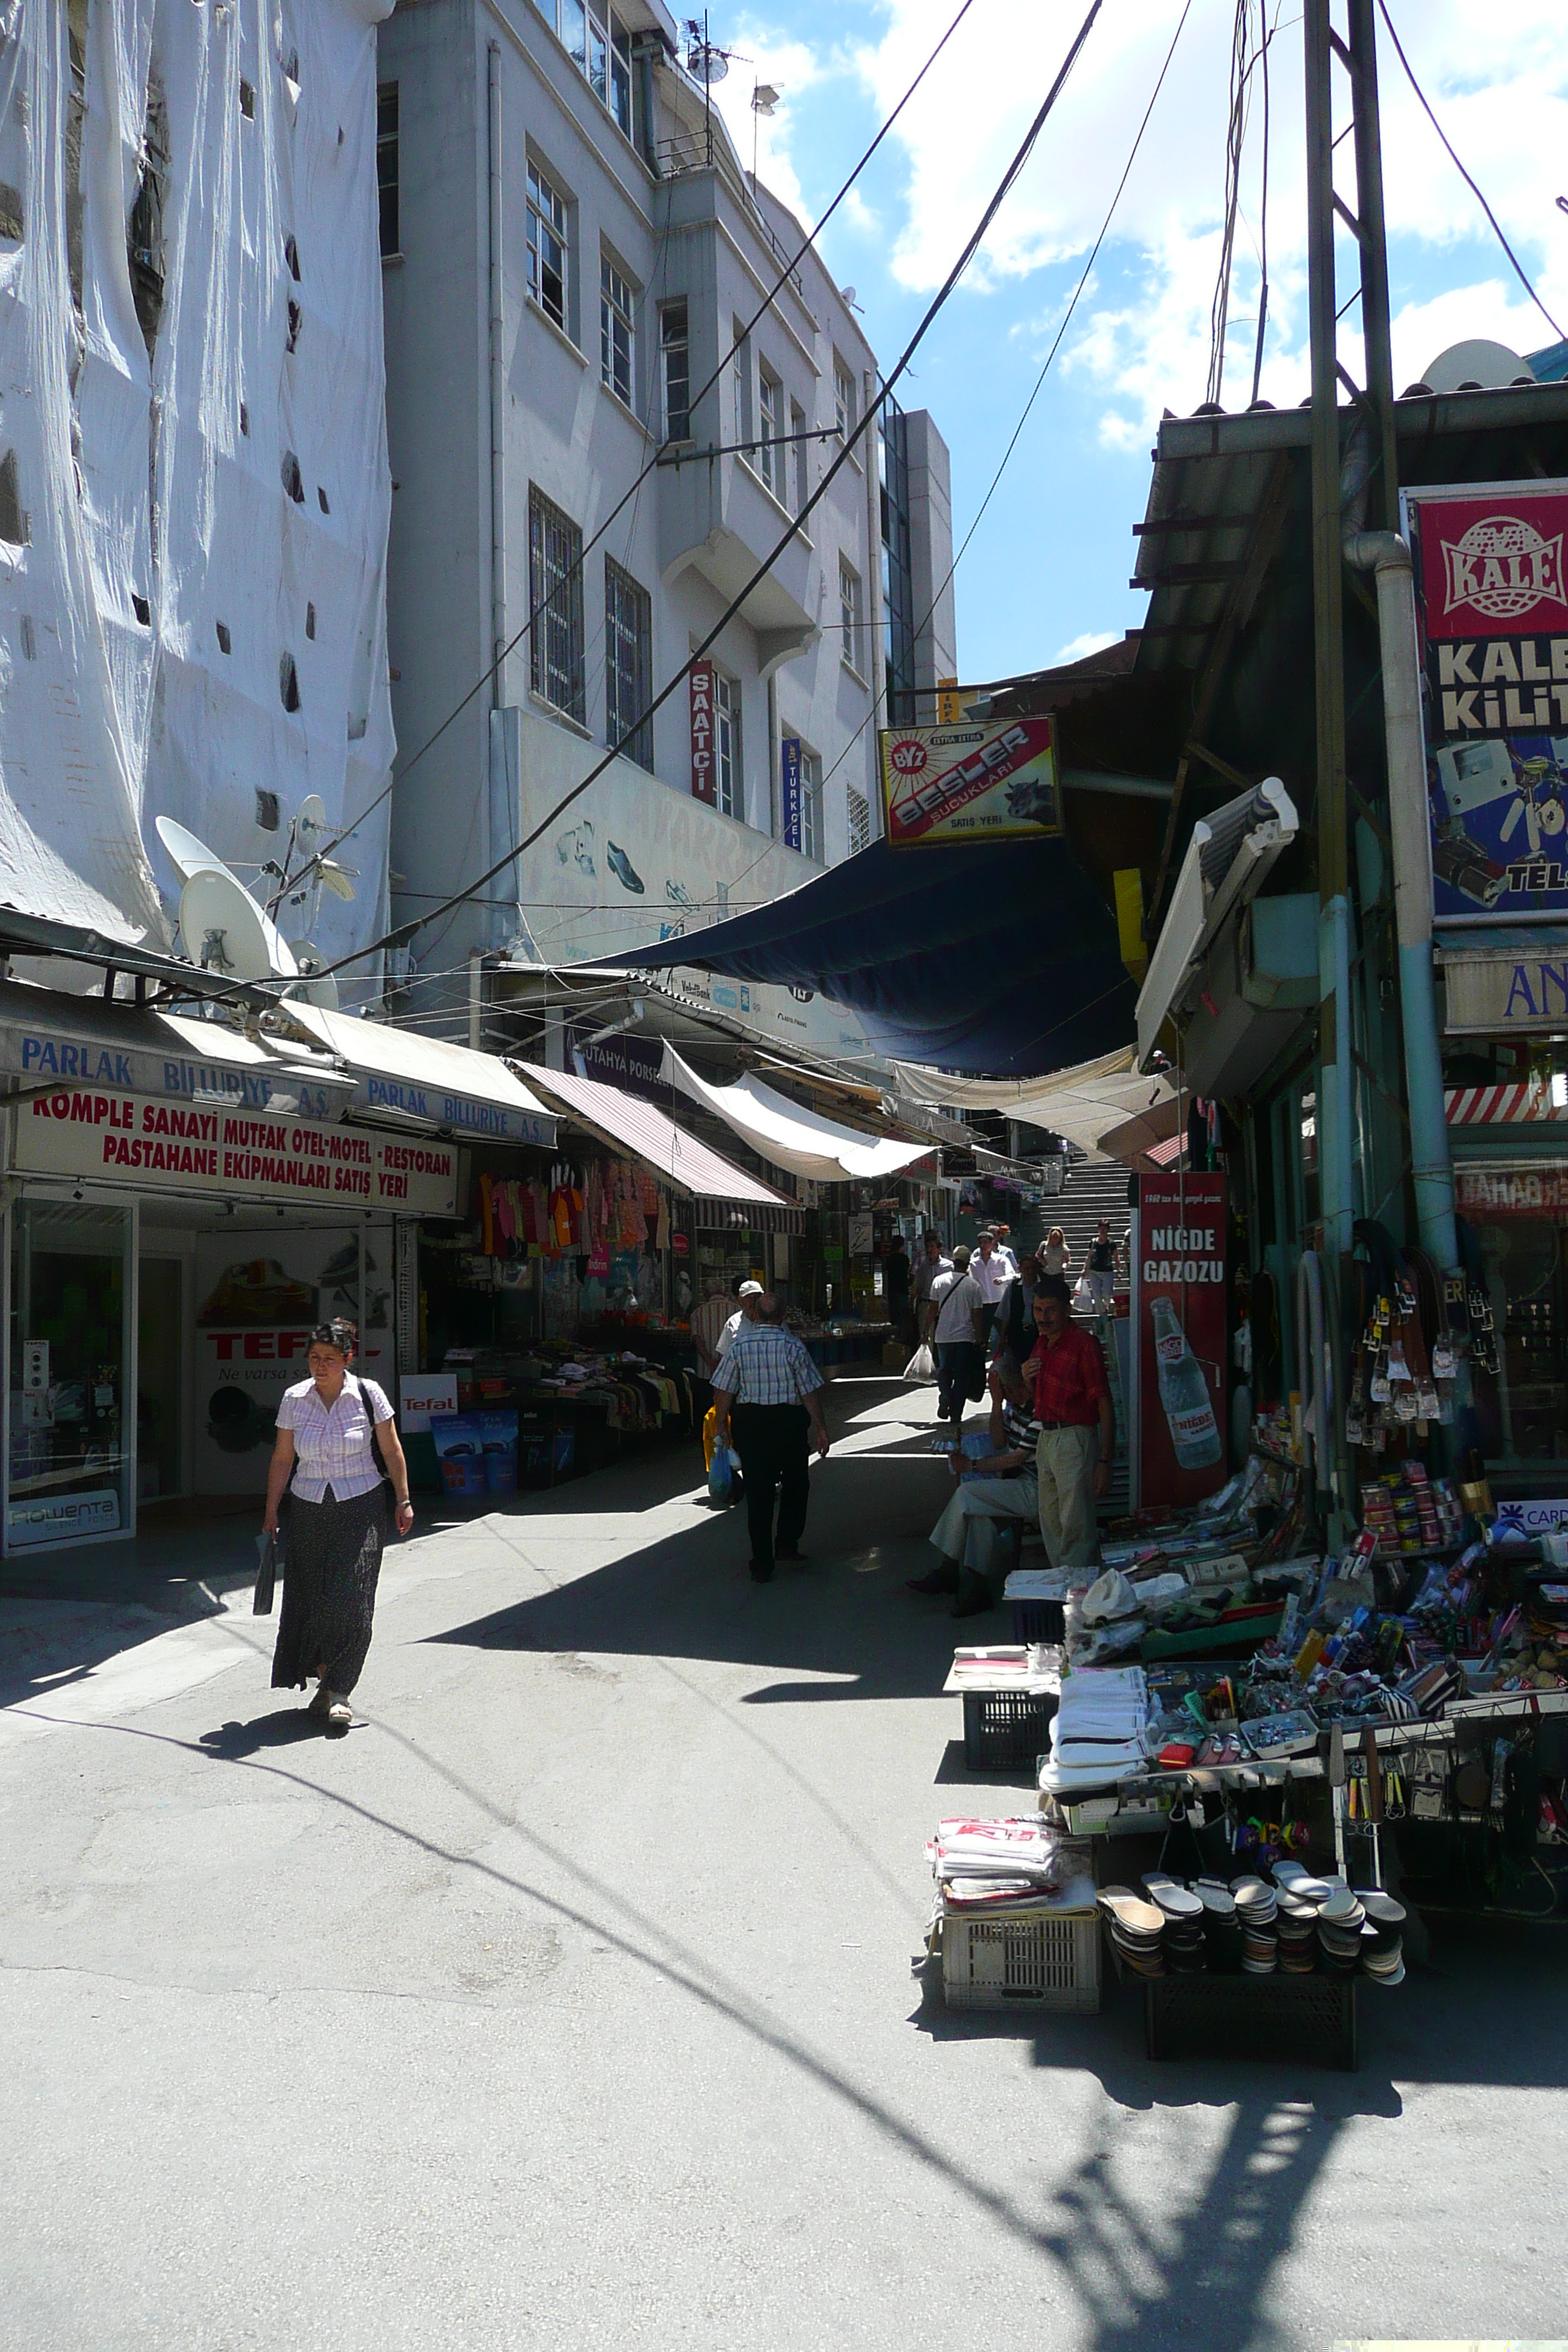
(1006, 1488)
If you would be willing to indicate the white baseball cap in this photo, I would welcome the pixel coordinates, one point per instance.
(751, 1290)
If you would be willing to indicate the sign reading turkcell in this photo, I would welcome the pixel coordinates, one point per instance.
(1493, 612)
(502, 1122)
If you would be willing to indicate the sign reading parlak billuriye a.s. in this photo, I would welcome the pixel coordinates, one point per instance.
(123, 1139)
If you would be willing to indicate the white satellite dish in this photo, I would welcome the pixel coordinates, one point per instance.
(338, 879)
(225, 931)
(186, 853)
(312, 813)
(314, 986)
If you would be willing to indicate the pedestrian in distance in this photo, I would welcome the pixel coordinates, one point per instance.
(1055, 1256)
(932, 1261)
(331, 1429)
(766, 1389)
(1078, 1427)
(992, 1272)
(1099, 1270)
(962, 1316)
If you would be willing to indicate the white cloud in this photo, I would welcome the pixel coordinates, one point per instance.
(1092, 641)
(790, 68)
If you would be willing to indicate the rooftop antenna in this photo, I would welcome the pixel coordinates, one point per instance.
(707, 65)
(764, 100)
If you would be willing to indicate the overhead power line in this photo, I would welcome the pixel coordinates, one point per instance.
(1469, 181)
(403, 932)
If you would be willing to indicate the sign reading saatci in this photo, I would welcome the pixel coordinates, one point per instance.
(991, 782)
(1494, 621)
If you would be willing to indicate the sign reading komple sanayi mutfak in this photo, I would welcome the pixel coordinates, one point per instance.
(990, 781)
(1493, 604)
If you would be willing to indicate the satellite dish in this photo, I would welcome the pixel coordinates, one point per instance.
(1479, 364)
(186, 853)
(223, 930)
(707, 63)
(310, 988)
(338, 879)
(312, 815)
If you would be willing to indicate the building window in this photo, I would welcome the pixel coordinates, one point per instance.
(615, 300)
(802, 447)
(770, 432)
(843, 399)
(547, 246)
(860, 822)
(386, 164)
(741, 388)
(849, 611)
(727, 769)
(810, 804)
(675, 363)
(600, 46)
(628, 663)
(898, 580)
(555, 603)
(621, 76)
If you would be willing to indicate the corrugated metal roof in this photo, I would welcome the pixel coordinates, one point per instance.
(641, 1128)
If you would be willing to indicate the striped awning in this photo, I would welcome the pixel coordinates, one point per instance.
(723, 1193)
(1512, 1104)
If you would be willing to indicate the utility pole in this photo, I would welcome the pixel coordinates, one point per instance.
(1355, 53)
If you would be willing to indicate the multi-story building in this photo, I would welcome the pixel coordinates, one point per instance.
(591, 423)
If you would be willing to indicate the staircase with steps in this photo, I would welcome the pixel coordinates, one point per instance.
(1094, 1189)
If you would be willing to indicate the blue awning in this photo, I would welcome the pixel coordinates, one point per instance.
(996, 961)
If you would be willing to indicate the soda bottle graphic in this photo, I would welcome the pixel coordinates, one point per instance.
(1184, 1393)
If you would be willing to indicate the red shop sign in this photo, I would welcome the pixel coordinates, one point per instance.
(1180, 1293)
(703, 787)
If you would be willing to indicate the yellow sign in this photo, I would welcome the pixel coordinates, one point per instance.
(982, 781)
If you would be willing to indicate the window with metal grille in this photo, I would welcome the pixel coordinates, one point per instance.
(555, 601)
(849, 611)
(860, 822)
(810, 804)
(727, 771)
(770, 432)
(548, 248)
(615, 330)
(675, 361)
(386, 164)
(628, 663)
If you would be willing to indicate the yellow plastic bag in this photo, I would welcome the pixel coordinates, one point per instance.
(710, 1436)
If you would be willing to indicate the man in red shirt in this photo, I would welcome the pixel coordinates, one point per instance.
(1078, 1427)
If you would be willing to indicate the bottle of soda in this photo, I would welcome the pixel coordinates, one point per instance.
(1184, 1393)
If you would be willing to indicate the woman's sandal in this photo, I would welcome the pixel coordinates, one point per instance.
(340, 1715)
(322, 1702)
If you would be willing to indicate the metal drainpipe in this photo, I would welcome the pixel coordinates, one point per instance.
(497, 390)
(1387, 555)
(645, 50)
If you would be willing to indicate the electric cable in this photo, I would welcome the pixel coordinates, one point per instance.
(1039, 385)
(1469, 182)
(403, 932)
(693, 402)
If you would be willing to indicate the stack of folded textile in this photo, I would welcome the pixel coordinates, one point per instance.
(1097, 1733)
(1001, 1866)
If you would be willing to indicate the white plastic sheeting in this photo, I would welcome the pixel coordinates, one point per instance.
(1089, 1104)
(792, 1137)
(187, 523)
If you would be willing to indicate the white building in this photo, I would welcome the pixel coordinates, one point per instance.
(570, 248)
(194, 487)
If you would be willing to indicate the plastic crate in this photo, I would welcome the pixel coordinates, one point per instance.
(1039, 1621)
(1035, 1959)
(1006, 1726)
(1282, 2017)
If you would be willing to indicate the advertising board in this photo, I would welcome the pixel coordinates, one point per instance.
(1179, 1301)
(982, 781)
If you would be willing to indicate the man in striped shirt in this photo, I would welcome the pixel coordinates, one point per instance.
(767, 1388)
(1005, 1487)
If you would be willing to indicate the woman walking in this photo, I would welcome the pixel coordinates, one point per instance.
(337, 1519)
(1055, 1256)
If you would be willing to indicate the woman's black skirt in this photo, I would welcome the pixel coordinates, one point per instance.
(331, 1559)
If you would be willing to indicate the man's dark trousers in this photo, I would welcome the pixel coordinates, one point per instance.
(771, 1440)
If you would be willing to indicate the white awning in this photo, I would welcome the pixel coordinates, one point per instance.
(1228, 858)
(1088, 1104)
(400, 1074)
(802, 1140)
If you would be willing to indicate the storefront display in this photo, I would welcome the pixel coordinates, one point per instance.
(70, 1448)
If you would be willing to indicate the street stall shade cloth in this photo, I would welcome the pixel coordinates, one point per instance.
(1000, 960)
(641, 1128)
(790, 1136)
(400, 1074)
(1089, 1104)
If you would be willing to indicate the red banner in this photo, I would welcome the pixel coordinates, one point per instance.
(1179, 1295)
(1492, 566)
(703, 785)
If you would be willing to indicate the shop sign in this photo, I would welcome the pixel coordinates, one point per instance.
(422, 1394)
(1518, 1192)
(632, 1064)
(789, 791)
(57, 1518)
(1493, 614)
(995, 782)
(471, 1115)
(1491, 994)
(1535, 1517)
(703, 780)
(123, 1138)
(39, 1051)
(1179, 1307)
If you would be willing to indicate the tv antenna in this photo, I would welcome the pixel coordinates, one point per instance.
(707, 63)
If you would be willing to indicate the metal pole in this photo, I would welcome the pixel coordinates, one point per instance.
(1335, 1163)
(1374, 309)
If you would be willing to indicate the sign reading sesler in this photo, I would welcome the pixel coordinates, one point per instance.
(173, 1147)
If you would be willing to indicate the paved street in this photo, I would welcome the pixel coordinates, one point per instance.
(568, 2000)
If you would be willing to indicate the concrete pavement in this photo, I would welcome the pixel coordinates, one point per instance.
(568, 2001)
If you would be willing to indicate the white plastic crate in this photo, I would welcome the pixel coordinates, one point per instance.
(1036, 1960)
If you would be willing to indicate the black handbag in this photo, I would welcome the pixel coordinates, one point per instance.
(265, 1574)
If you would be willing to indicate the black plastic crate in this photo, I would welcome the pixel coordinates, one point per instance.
(1283, 2018)
(1006, 1726)
(1039, 1621)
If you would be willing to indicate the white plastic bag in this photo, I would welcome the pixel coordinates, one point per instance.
(921, 1365)
(1083, 1297)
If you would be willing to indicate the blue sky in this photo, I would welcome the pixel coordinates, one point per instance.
(1049, 568)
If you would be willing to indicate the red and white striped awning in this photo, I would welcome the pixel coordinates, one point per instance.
(1512, 1105)
(1170, 1148)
